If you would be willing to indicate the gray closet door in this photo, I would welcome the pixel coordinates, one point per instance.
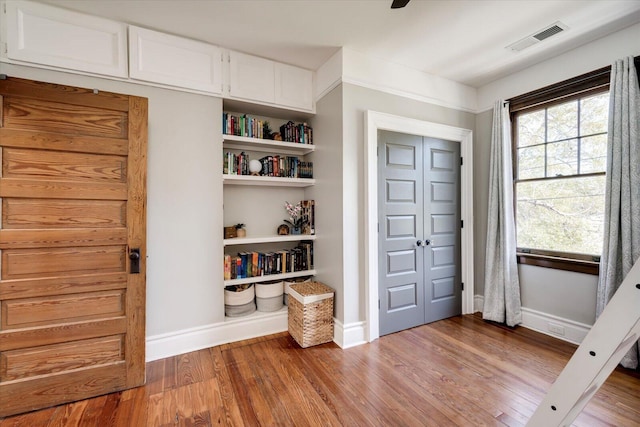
(419, 236)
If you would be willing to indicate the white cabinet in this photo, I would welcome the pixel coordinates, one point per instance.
(45, 35)
(293, 87)
(261, 80)
(162, 58)
(251, 78)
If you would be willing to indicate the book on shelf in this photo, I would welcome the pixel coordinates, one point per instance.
(257, 264)
(251, 127)
(276, 165)
(308, 214)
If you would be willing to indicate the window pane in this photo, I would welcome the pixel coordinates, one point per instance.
(565, 215)
(562, 158)
(594, 114)
(593, 154)
(531, 162)
(531, 128)
(562, 121)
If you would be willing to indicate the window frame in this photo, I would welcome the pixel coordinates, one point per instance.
(582, 86)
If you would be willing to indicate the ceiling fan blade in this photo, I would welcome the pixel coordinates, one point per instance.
(397, 4)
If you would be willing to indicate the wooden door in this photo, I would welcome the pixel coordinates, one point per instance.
(73, 189)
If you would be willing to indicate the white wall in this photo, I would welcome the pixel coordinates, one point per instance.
(184, 199)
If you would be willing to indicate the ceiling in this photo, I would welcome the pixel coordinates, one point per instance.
(462, 40)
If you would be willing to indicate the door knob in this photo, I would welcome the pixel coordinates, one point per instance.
(427, 242)
(134, 265)
(419, 243)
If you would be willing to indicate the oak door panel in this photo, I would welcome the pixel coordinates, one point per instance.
(21, 163)
(43, 360)
(61, 309)
(21, 138)
(60, 117)
(51, 213)
(73, 189)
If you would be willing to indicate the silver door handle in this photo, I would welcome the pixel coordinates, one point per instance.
(419, 243)
(427, 242)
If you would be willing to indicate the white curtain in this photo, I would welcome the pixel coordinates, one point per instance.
(501, 283)
(622, 195)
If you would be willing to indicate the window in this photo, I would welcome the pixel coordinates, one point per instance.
(560, 153)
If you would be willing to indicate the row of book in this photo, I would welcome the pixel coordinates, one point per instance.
(258, 264)
(278, 166)
(243, 126)
(301, 133)
(286, 166)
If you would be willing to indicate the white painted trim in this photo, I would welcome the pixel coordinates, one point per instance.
(381, 74)
(375, 121)
(237, 329)
(574, 332)
(478, 303)
(349, 335)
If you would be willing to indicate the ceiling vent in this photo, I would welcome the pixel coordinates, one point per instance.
(537, 37)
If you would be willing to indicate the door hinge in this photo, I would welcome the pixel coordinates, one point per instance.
(377, 151)
(461, 223)
(462, 285)
(378, 304)
(378, 227)
(461, 160)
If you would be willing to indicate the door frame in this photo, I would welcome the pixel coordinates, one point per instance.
(374, 121)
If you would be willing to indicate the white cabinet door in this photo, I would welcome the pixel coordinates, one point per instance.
(251, 78)
(175, 61)
(294, 87)
(49, 36)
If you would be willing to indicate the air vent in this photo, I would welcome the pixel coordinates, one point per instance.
(537, 37)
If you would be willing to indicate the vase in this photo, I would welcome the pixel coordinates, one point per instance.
(296, 230)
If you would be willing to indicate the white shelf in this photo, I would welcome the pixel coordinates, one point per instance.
(265, 145)
(259, 315)
(269, 181)
(270, 277)
(268, 239)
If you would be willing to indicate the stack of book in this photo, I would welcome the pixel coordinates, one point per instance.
(301, 133)
(257, 264)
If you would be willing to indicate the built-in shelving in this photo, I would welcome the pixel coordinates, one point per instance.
(268, 239)
(269, 181)
(233, 142)
(270, 277)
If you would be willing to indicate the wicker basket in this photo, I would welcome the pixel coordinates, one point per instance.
(311, 313)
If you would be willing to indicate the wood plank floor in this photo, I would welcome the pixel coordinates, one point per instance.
(457, 372)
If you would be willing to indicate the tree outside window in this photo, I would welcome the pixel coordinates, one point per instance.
(560, 151)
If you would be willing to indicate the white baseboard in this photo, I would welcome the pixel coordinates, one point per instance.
(233, 329)
(349, 335)
(478, 303)
(238, 329)
(548, 324)
(558, 327)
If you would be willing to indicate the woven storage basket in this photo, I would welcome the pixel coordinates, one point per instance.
(288, 283)
(311, 313)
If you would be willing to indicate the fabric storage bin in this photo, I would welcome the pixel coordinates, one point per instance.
(310, 313)
(239, 302)
(288, 283)
(269, 296)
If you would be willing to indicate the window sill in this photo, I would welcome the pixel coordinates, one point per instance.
(559, 263)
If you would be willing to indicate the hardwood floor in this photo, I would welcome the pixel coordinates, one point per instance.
(457, 372)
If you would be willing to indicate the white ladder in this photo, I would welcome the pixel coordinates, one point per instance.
(613, 334)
